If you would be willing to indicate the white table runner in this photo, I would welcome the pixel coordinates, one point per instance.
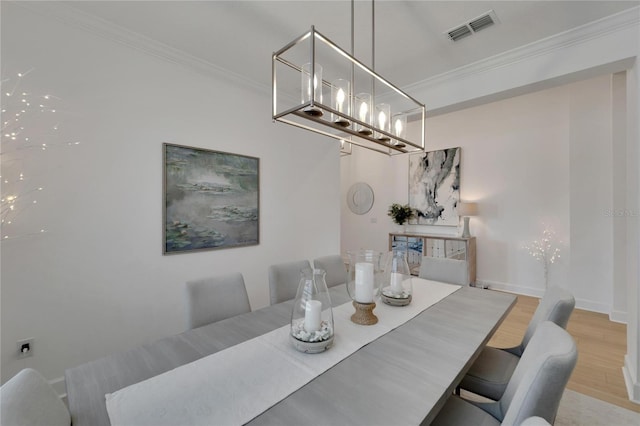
(239, 383)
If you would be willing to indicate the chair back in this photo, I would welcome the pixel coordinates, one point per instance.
(556, 306)
(28, 399)
(284, 279)
(215, 298)
(443, 269)
(334, 267)
(539, 380)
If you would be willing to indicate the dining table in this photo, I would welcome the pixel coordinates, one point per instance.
(403, 377)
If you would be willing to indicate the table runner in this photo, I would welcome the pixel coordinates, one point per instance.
(235, 385)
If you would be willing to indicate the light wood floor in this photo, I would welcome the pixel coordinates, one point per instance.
(601, 343)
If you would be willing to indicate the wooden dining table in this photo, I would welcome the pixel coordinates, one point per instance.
(401, 378)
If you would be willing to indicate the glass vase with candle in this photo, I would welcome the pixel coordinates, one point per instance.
(312, 315)
(364, 284)
(312, 88)
(397, 284)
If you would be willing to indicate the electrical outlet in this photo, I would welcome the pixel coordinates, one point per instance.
(25, 348)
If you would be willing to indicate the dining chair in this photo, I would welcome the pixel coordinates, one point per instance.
(284, 279)
(215, 298)
(28, 399)
(334, 267)
(534, 389)
(535, 421)
(443, 269)
(490, 372)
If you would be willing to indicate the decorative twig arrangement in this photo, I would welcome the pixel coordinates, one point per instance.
(545, 250)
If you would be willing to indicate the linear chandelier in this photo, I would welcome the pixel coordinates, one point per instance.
(318, 86)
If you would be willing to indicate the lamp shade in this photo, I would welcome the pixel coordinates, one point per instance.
(467, 209)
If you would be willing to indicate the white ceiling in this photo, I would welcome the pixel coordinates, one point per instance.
(409, 42)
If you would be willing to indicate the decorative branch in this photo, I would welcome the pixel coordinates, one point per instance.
(545, 250)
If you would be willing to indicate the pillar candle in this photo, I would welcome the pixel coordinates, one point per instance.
(364, 282)
(312, 315)
(396, 283)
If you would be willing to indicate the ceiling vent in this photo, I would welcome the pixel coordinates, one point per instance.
(473, 26)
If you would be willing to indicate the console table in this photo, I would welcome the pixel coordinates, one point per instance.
(433, 245)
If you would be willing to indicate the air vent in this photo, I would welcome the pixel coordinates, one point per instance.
(458, 33)
(473, 26)
(481, 23)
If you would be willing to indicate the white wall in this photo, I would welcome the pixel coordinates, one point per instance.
(591, 193)
(97, 282)
(524, 160)
(631, 368)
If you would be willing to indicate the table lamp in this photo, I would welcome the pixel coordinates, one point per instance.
(466, 209)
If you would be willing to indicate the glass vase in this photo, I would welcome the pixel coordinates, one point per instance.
(312, 316)
(397, 286)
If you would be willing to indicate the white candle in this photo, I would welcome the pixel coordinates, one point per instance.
(312, 315)
(364, 282)
(396, 283)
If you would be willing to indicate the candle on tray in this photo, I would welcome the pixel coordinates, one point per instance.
(312, 316)
(396, 283)
(364, 282)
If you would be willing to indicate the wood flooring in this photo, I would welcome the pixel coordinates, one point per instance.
(601, 343)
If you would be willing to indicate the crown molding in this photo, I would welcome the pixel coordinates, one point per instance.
(75, 18)
(67, 14)
(578, 35)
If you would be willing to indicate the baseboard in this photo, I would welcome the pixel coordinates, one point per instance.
(509, 288)
(618, 316)
(633, 388)
(587, 305)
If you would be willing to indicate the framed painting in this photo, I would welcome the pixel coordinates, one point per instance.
(434, 187)
(211, 199)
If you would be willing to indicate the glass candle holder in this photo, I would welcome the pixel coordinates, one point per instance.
(397, 286)
(312, 316)
(341, 101)
(312, 88)
(383, 121)
(364, 284)
(363, 112)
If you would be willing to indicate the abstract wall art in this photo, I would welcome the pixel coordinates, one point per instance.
(211, 199)
(434, 187)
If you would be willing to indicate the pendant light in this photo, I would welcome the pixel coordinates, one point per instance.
(320, 87)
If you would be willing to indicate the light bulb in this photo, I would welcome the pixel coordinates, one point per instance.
(382, 119)
(364, 109)
(398, 127)
(340, 99)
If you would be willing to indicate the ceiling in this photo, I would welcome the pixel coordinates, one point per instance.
(410, 45)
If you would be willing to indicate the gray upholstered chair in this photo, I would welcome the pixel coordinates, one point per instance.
(443, 269)
(535, 421)
(284, 279)
(490, 373)
(334, 266)
(28, 399)
(215, 298)
(535, 389)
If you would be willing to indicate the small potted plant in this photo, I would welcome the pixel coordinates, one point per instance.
(400, 214)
